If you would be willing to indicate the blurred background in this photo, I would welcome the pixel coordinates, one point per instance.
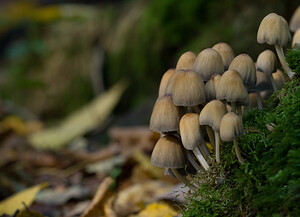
(58, 56)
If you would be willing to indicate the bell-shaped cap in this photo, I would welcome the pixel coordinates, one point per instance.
(212, 114)
(244, 64)
(165, 115)
(190, 131)
(273, 29)
(208, 63)
(226, 53)
(210, 87)
(170, 82)
(188, 89)
(295, 20)
(168, 153)
(266, 62)
(296, 39)
(164, 82)
(231, 127)
(231, 87)
(279, 79)
(186, 61)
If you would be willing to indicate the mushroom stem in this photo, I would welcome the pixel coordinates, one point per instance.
(281, 57)
(210, 134)
(273, 83)
(259, 101)
(192, 161)
(239, 110)
(204, 149)
(196, 109)
(182, 179)
(233, 107)
(237, 151)
(200, 158)
(217, 138)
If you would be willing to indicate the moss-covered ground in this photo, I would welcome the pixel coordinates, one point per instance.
(268, 184)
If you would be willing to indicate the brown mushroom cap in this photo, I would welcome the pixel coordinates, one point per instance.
(244, 64)
(231, 87)
(231, 127)
(208, 63)
(165, 115)
(295, 20)
(279, 78)
(226, 53)
(266, 62)
(210, 87)
(188, 89)
(273, 29)
(296, 39)
(190, 131)
(212, 114)
(186, 61)
(168, 153)
(164, 82)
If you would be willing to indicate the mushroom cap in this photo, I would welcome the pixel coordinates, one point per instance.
(253, 100)
(212, 114)
(273, 29)
(263, 82)
(165, 115)
(208, 63)
(231, 87)
(295, 20)
(186, 61)
(244, 64)
(164, 81)
(190, 131)
(266, 62)
(231, 127)
(296, 39)
(226, 53)
(279, 79)
(168, 152)
(188, 89)
(170, 83)
(210, 87)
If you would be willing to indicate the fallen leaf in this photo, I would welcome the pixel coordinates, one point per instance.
(80, 122)
(17, 201)
(96, 208)
(157, 210)
(105, 166)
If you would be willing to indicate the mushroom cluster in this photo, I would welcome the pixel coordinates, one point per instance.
(201, 102)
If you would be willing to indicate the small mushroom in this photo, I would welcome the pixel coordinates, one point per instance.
(186, 61)
(211, 115)
(226, 53)
(274, 30)
(165, 115)
(191, 136)
(295, 20)
(210, 87)
(296, 39)
(231, 128)
(164, 82)
(208, 63)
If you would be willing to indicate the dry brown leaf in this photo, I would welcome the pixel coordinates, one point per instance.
(108, 207)
(96, 208)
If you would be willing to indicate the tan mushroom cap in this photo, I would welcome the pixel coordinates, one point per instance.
(168, 153)
(165, 115)
(164, 82)
(295, 20)
(244, 64)
(279, 78)
(231, 87)
(296, 39)
(210, 87)
(231, 127)
(212, 114)
(208, 63)
(186, 61)
(188, 89)
(273, 29)
(226, 53)
(190, 131)
(266, 62)
(170, 82)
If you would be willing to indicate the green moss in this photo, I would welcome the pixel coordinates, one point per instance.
(293, 59)
(269, 183)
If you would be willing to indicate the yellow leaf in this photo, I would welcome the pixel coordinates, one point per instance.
(80, 122)
(157, 210)
(16, 201)
(210, 148)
